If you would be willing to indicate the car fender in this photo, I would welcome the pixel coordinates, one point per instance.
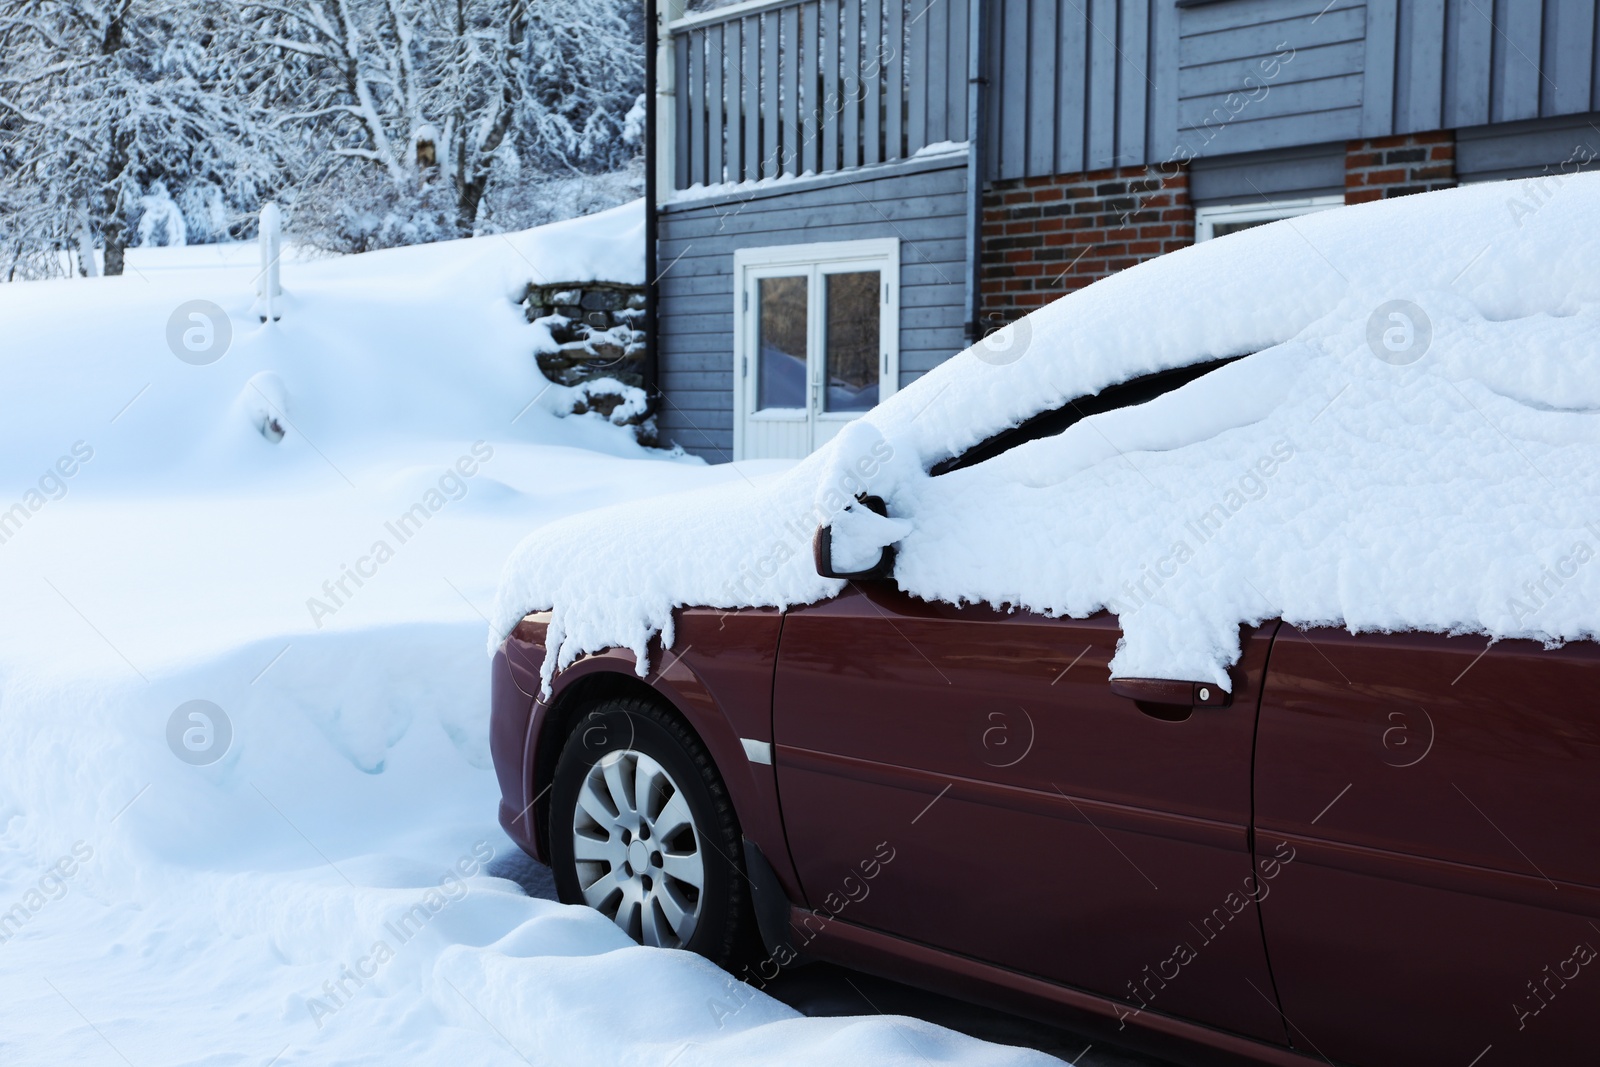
(718, 677)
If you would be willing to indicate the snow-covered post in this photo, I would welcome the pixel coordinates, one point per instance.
(91, 269)
(267, 287)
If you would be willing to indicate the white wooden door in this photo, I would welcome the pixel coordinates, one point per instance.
(816, 342)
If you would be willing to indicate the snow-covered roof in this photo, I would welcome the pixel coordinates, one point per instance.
(1410, 443)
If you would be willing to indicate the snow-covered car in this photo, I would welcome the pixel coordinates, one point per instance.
(1208, 657)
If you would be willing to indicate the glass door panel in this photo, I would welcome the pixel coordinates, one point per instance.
(852, 340)
(781, 367)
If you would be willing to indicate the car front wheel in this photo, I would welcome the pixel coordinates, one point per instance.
(642, 831)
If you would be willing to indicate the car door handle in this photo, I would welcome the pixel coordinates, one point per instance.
(1170, 692)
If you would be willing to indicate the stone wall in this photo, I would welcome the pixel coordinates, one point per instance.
(596, 329)
(596, 332)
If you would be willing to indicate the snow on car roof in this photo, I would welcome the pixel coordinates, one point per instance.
(1411, 444)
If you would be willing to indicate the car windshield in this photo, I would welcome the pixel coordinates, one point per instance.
(1049, 423)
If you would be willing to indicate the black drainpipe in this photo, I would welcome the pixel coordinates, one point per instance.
(652, 348)
(976, 83)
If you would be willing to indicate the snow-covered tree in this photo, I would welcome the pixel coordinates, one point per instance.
(101, 102)
(376, 122)
(411, 110)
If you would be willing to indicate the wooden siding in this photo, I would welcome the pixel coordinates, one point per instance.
(1460, 63)
(921, 202)
(1090, 84)
(1257, 74)
(1070, 83)
(1093, 84)
(1524, 149)
(1285, 173)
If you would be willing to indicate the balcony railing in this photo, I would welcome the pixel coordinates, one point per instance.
(789, 87)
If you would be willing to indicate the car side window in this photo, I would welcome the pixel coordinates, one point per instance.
(1049, 423)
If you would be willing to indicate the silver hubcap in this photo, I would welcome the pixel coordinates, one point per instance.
(638, 850)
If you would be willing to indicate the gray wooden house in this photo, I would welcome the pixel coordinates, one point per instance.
(844, 193)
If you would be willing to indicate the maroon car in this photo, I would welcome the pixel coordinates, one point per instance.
(1377, 849)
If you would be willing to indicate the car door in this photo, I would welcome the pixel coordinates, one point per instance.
(1443, 903)
(1030, 816)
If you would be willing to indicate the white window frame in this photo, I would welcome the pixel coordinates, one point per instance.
(816, 261)
(1207, 217)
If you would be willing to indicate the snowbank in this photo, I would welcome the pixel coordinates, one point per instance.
(1411, 443)
(374, 352)
(312, 872)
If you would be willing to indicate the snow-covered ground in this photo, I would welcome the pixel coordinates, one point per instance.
(300, 875)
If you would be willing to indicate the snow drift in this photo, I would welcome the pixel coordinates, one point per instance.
(316, 875)
(1410, 442)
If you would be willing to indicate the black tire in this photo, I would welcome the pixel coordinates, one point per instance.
(724, 926)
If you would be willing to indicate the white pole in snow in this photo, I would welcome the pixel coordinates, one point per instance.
(91, 269)
(267, 287)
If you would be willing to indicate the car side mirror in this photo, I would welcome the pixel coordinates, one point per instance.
(822, 551)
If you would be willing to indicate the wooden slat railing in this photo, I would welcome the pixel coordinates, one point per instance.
(788, 87)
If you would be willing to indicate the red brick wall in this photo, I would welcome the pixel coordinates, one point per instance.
(1385, 167)
(1043, 237)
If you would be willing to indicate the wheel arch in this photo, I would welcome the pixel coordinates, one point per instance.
(561, 714)
(611, 674)
(720, 686)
